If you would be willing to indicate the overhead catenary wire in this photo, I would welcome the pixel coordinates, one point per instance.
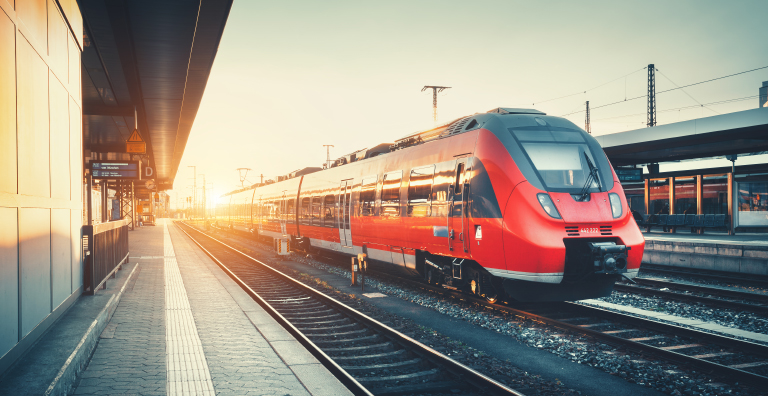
(682, 108)
(591, 89)
(686, 92)
(667, 90)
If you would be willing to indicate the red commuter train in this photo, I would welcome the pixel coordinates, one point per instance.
(511, 201)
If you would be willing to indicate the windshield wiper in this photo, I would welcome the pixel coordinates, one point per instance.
(592, 176)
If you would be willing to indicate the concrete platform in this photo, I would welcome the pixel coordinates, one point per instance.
(180, 326)
(741, 253)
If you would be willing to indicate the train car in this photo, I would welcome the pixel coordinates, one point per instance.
(511, 201)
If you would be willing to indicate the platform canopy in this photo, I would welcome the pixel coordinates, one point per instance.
(150, 58)
(743, 132)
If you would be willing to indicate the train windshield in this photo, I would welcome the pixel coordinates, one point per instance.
(560, 159)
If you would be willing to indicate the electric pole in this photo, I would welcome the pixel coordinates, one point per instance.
(243, 175)
(586, 121)
(328, 155)
(194, 189)
(435, 90)
(651, 95)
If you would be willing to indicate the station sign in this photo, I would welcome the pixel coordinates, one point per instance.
(629, 174)
(135, 144)
(120, 170)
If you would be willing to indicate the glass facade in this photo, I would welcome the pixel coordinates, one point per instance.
(41, 169)
(685, 195)
(753, 204)
(659, 196)
(715, 199)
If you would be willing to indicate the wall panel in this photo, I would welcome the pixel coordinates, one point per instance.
(74, 69)
(59, 149)
(35, 266)
(57, 43)
(8, 167)
(9, 279)
(34, 16)
(76, 222)
(32, 113)
(61, 256)
(76, 151)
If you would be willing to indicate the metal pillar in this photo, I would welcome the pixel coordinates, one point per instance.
(648, 197)
(435, 90)
(587, 125)
(89, 198)
(651, 95)
(731, 228)
(699, 199)
(671, 200)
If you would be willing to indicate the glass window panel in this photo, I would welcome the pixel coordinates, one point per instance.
(419, 191)
(390, 194)
(329, 211)
(368, 196)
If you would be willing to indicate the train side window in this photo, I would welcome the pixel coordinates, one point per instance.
(316, 207)
(441, 189)
(390, 194)
(368, 196)
(304, 211)
(420, 190)
(329, 211)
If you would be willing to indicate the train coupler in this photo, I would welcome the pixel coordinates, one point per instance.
(609, 258)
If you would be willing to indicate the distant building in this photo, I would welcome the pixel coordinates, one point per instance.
(764, 94)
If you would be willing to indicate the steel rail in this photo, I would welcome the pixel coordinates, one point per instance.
(760, 280)
(728, 373)
(486, 384)
(725, 371)
(672, 295)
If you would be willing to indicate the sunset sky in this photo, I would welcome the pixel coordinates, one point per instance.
(291, 76)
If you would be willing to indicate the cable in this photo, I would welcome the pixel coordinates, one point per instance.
(669, 90)
(591, 89)
(686, 92)
(683, 108)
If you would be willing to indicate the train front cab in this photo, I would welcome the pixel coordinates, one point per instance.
(567, 230)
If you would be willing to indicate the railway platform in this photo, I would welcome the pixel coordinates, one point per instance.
(745, 253)
(170, 322)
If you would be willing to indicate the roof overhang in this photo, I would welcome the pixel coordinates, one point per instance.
(743, 132)
(152, 59)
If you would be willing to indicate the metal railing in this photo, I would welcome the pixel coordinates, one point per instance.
(106, 248)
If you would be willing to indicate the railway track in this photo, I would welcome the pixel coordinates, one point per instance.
(712, 296)
(368, 356)
(724, 357)
(728, 358)
(747, 279)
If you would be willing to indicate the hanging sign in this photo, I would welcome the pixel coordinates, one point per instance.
(135, 144)
(629, 174)
(115, 170)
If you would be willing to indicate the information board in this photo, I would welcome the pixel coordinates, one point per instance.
(115, 170)
(629, 174)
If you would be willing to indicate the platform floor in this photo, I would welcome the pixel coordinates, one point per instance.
(744, 239)
(183, 327)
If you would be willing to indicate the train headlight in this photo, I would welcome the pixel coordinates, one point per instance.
(616, 205)
(548, 205)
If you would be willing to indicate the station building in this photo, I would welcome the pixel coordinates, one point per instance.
(76, 79)
(739, 192)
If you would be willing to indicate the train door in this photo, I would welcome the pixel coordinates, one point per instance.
(458, 223)
(345, 207)
(260, 214)
(283, 214)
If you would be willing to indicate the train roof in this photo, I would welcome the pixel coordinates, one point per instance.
(459, 125)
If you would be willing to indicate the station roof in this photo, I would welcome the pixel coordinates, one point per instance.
(743, 132)
(150, 58)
